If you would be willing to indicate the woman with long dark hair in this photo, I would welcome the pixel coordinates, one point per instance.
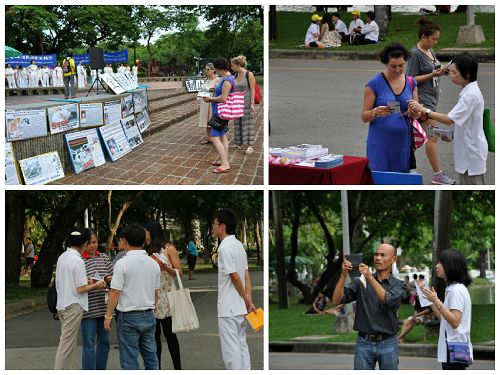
(456, 310)
(167, 257)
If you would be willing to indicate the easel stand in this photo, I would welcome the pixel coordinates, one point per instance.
(96, 84)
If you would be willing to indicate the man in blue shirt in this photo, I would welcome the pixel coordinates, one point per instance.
(191, 257)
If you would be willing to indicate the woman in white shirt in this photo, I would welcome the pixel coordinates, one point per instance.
(205, 111)
(455, 311)
(470, 147)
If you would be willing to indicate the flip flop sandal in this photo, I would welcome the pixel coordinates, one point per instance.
(205, 142)
(219, 170)
(249, 151)
(234, 146)
(216, 163)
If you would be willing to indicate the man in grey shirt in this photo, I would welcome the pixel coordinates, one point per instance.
(377, 297)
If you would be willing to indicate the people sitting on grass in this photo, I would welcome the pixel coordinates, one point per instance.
(368, 33)
(340, 28)
(329, 37)
(313, 32)
(319, 306)
(356, 22)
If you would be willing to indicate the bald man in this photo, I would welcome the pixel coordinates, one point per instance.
(377, 297)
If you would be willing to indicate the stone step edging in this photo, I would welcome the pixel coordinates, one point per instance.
(160, 107)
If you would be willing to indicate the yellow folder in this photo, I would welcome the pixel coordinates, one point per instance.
(256, 319)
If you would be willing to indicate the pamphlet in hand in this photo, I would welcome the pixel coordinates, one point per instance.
(424, 302)
(96, 277)
(203, 94)
(355, 260)
(394, 107)
(162, 258)
(256, 319)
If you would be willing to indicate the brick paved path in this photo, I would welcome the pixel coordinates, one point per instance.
(172, 153)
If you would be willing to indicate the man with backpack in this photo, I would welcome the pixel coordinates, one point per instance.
(69, 72)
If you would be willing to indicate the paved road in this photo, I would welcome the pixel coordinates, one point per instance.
(31, 340)
(315, 361)
(319, 102)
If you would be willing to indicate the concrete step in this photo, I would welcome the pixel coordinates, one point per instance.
(161, 120)
(156, 95)
(171, 102)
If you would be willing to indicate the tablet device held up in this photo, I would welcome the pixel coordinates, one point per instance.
(356, 260)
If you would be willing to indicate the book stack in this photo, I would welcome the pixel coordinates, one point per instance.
(329, 161)
(304, 151)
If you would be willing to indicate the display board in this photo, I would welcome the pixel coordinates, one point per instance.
(42, 169)
(143, 121)
(11, 173)
(194, 85)
(63, 118)
(112, 111)
(91, 114)
(126, 81)
(127, 106)
(25, 124)
(109, 81)
(115, 140)
(132, 131)
(140, 100)
(84, 149)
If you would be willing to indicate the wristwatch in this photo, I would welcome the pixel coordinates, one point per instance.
(427, 111)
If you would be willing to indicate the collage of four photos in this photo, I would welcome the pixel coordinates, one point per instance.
(271, 256)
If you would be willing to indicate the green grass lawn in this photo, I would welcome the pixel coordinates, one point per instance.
(292, 27)
(287, 324)
(17, 293)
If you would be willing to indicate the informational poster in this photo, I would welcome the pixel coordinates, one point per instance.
(143, 121)
(63, 118)
(91, 114)
(127, 106)
(85, 149)
(109, 81)
(140, 100)
(131, 79)
(125, 82)
(25, 124)
(11, 172)
(112, 111)
(132, 131)
(194, 85)
(115, 140)
(42, 169)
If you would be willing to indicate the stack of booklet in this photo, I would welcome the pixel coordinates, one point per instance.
(329, 161)
(299, 152)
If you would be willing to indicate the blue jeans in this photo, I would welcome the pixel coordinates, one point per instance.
(368, 353)
(95, 341)
(136, 335)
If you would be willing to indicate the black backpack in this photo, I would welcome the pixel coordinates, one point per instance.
(52, 300)
(66, 65)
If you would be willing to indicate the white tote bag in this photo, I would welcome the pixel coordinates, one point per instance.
(184, 318)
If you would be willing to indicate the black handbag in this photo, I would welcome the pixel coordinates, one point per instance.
(218, 124)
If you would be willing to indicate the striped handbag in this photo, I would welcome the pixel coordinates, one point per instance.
(419, 134)
(232, 108)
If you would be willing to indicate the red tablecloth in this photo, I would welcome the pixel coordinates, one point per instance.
(354, 171)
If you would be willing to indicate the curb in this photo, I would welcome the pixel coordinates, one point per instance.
(447, 55)
(14, 309)
(481, 352)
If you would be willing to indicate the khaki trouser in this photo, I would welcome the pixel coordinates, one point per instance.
(465, 179)
(70, 322)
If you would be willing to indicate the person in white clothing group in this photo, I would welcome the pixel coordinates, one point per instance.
(470, 149)
(45, 76)
(313, 32)
(369, 31)
(72, 295)
(80, 71)
(32, 73)
(234, 299)
(456, 311)
(9, 74)
(356, 21)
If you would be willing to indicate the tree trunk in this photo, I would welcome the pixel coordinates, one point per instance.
(273, 24)
(64, 219)
(294, 244)
(15, 215)
(113, 227)
(461, 9)
(280, 251)
(482, 263)
(382, 20)
(442, 230)
(258, 246)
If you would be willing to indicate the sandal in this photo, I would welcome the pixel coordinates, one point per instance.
(249, 150)
(216, 163)
(220, 170)
(206, 142)
(235, 146)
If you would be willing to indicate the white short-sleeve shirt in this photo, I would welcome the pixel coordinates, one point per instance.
(470, 147)
(370, 31)
(231, 258)
(313, 29)
(136, 276)
(71, 274)
(456, 297)
(341, 27)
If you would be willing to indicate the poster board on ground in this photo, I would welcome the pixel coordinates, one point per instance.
(63, 118)
(143, 121)
(11, 172)
(112, 111)
(91, 114)
(132, 131)
(25, 124)
(133, 82)
(140, 99)
(111, 83)
(194, 85)
(115, 140)
(127, 106)
(42, 169)
(84, 149)
(125, 82)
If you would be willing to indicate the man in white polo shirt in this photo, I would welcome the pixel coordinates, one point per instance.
(235, 293)
(134, 292)
(72, 298)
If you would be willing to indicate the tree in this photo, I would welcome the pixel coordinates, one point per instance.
(382, 19)
(15, 215)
